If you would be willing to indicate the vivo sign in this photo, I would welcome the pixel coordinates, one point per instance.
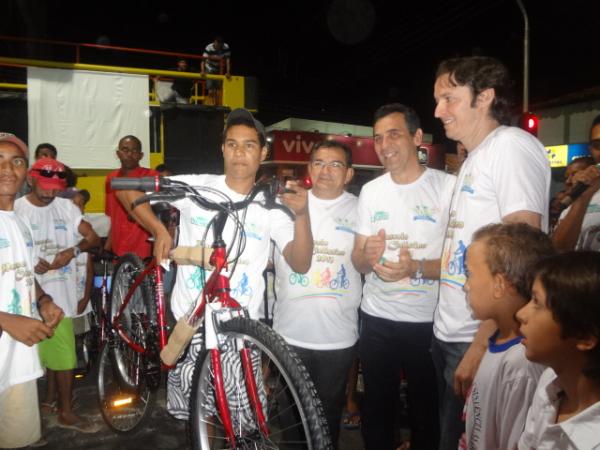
(295, 146)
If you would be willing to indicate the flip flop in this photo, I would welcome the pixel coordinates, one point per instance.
(351, 420)
(48, 408)
(82, 425)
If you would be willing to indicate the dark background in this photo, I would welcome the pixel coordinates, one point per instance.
(338, 60)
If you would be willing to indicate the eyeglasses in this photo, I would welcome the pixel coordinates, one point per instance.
(51, 173)
(318, 164)
(595, 144)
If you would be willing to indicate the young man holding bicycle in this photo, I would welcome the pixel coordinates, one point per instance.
(317, 313)
(244, 148)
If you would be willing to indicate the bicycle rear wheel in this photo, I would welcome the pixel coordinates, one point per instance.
(137, 319)
(127, 379)
(293, 412)
(122, 408)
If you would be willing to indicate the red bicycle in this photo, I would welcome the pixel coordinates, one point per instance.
(250, 390)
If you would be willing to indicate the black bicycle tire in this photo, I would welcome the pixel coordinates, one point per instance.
(134, 261)
(151, 401)
(288, 361)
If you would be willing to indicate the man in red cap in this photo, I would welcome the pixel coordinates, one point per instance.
(125, 234)
(59, 235)
(20, 327)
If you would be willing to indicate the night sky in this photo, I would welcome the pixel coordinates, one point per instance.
(338, 60)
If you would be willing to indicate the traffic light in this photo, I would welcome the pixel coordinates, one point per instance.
(530, 123)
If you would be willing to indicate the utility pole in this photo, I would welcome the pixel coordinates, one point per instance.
(525, 58)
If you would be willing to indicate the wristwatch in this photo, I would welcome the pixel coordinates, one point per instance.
(76, 251)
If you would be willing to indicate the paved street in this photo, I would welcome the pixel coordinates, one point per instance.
(161, 431)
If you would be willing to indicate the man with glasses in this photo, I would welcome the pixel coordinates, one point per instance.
(125, 234)
(401, 214)
(317, 313)
(59, 235)
(579, 225)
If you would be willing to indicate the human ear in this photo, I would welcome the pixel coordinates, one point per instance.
(486, 97)
(587, 343)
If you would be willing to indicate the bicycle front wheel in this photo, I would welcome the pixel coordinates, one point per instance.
(122, 408)
(293, 412)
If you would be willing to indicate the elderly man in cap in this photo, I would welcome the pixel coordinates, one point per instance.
(244, 148)
(59, 235)
(20, 325)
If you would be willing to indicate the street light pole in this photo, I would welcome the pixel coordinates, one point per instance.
(525, 57)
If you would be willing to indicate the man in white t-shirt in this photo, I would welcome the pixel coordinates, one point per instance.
(401, 214)
(20, 313)
(60, 235)
(244, 148)
(579, 225)
(317, 313)
(505, 178)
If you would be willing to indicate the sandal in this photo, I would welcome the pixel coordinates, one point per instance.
(48, 408)
(82, 425)
(351, 420)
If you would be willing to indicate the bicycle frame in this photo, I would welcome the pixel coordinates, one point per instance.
(160, 306)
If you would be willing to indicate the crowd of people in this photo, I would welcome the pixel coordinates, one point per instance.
(459, 284)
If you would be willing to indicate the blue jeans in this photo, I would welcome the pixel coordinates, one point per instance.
(386, 348)
(446, 357)
(328, 370)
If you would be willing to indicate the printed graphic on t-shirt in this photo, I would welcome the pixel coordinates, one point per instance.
(243, 288)
(424, 212)
(467, 185)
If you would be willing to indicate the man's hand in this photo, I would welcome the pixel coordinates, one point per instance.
(25, 329)
(590, 176)
(81, 305)
(163, 242)
(466, 370)
(62, 258)
(51, 313)
(297, 201)
(42, 267)
(395, 271)
(374, 248)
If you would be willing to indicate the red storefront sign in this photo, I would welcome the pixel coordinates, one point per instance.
(295, 147)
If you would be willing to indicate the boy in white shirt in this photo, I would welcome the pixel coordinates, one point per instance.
(561, 329)
(499, 264)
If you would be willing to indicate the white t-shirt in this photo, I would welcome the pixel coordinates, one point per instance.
(415, 216)
(261, 225)
(500, 396)
(506, 173)
(18, 362)
(319, 309)
(55, 229)
(81, 277)
(580, 432)
(589, 237)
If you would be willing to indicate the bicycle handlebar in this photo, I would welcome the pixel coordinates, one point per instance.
(172, 190)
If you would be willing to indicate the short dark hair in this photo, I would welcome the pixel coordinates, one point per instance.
(246, 121)
(413, 123)
(480, 73)
(513, 249)
(572, 284)
(333, 144)
(47, 145)
(161, 168)
(85, 194)
(133, 138)
(595, 122)
(587, 160)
